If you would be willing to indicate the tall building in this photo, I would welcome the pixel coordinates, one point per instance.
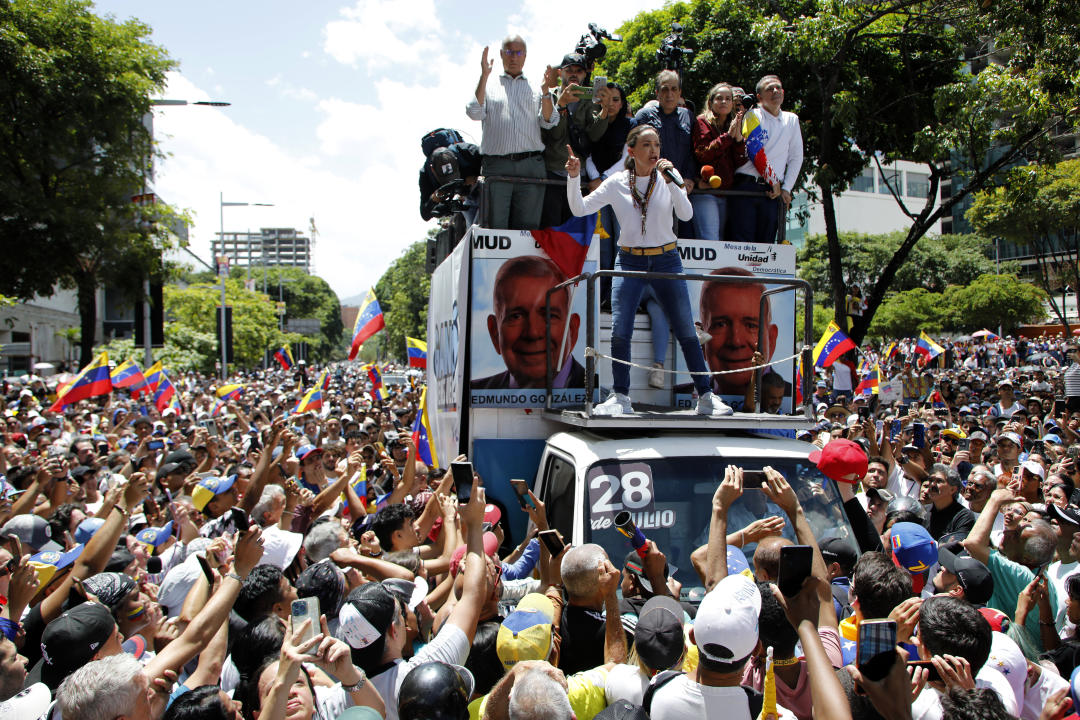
(274, 247)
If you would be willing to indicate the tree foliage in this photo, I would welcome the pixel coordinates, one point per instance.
(941, 261)
(305, 296)
(1038, 207)
(255, 322)
(403, 296)
(74, 151)
(881, 80)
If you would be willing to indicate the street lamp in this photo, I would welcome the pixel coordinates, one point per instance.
(147, 343)
(221, 214)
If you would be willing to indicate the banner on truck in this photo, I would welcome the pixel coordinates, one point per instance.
(729, 313)
(510, 278)
(446, 349)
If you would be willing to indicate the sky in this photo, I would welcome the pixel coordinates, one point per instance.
(328, 105)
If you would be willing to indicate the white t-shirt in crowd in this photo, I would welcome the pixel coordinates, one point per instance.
(1056, 573)
(449, 646)
(683, 698)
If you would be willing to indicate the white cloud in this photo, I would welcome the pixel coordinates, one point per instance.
(380, 33)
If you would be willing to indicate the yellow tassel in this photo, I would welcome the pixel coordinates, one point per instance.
(768, 700)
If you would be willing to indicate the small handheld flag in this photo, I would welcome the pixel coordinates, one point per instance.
(92, 380)
(833, 343)
(128, 375)
(417, 350)
(869, 384)
(285, 358)
(164, 393)
(422, 436)
(927, 348)
(312, 400)
(368, 322)
(153, 377)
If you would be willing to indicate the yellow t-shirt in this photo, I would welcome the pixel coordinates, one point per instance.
(586, 691)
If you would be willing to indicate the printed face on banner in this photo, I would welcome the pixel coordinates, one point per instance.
(731, 315)
(509, 338)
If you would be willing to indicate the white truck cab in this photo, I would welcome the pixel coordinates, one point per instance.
(666, 482)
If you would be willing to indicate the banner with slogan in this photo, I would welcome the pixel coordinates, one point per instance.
(446, 335)
(511, 275)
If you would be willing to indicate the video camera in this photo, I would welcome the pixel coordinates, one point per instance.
(591, 45)
(671, 51)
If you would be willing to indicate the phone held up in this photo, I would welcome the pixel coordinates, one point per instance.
(795, 566)
(306, 609)
(462, 473)
(521, 489)
(876, 650)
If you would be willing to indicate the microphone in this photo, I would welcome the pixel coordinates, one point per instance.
(673, 175)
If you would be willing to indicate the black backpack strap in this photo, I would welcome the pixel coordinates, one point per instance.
(755, 700)
(659, 680)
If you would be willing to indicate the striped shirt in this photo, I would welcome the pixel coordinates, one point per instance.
(511, 117)
(1072, 381)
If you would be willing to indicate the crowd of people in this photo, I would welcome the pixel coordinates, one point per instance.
(164, 565)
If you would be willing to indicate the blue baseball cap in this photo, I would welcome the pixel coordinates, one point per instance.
(87, 528)
(210, 487)
(914, 550)
(155, 537)
(1052, 438)
(304, 450)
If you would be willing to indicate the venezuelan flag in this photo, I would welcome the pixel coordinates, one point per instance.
(422, 435)
(417, 350)
(368, 322)
(164, 392)
(153, 377)
(833, 343)
(219, 405)
(284, 358)
(312, 400)
(324, 381)
(129, 375)
(927, 347)
(755, 147)
(229, 391)
(798, 382)
(568, 244)
(869, 384)
(892, 350)
(92, 381)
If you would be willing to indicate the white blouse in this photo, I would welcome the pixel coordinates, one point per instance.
(615, 191)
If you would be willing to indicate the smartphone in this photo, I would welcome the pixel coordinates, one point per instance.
(864, 412)
(586, 93)
(240, 519)
(1059, 406)
(551, 541)
(876, 650)
(54, 452)
(933, 674)
(306, 609)
(463, 480)
(795, 566)
(880, 425)
(753, 479)
(964, 444)
(521, 488)
(155, 445)
(902, 409)
(211, 427)
(895, 429)
(918, 435)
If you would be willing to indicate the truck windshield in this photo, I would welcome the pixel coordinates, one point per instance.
(670, 501)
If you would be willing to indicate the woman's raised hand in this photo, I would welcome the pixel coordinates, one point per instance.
(573, 163)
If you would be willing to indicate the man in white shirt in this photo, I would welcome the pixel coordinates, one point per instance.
(779, 139)
(512, 115)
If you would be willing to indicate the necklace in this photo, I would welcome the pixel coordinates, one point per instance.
(642, 201)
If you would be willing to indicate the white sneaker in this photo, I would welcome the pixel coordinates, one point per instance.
(616, 404)
(656, 375)
(710, 404)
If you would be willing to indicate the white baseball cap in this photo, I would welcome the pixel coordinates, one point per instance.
(726, 626)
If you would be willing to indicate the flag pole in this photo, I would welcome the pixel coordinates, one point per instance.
(570, 292)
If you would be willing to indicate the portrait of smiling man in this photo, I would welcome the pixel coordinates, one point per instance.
(517, 327)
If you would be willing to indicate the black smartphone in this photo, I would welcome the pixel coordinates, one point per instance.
(1059, 406)
(551, 541)
(753, 479)
(963, 444)
(932, 676)
(240, 519)
(796, 562)
(918, 435)
(864, 412)
(521, 489)
(894, 429)
(876, 650)
(902, 409)
(463, 480)
(155, 445)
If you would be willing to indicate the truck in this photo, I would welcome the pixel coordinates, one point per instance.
(518, 355)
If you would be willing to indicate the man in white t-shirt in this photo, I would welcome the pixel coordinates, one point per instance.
(1007, 403)
(1066, 522)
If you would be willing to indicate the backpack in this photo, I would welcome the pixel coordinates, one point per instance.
(753, 697)
(440, 138)
(443, 166)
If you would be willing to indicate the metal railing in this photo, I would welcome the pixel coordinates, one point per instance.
(777, 285)
(485, 200)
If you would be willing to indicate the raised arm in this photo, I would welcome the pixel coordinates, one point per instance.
(726, 494)
(978, 540)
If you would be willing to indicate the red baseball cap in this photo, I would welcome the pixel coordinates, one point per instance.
(491, 545)
(842, 460)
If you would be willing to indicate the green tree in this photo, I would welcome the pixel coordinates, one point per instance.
(74, 151)
(992, 301)
(944, 260)
(1039, 207)
(904, 314)
(185, 350)
(305, 296)
(403, 296)
(255, 322)
(878, 81)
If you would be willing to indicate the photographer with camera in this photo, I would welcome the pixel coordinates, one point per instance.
(583, 119)
(774, 151)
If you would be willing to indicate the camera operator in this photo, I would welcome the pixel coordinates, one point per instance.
(779, 139)
(581, 122)
(674, 123)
